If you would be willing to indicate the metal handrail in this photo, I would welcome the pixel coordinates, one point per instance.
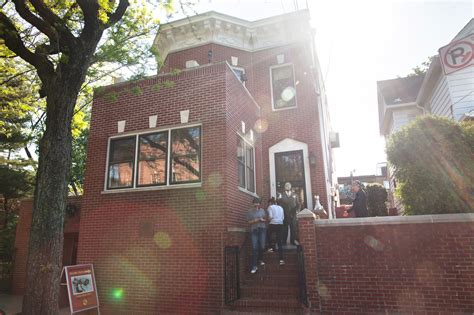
(302, 276)
(231, 274)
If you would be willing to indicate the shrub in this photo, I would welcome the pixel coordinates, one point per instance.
(434, 165)
(376, 200)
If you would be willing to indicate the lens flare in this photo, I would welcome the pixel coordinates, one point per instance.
(261, 125)
(162, 240)
(200, 195)
(117, 294)
(288, 94)
(215, 180)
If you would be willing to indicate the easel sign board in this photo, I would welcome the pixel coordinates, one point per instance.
(81, 288)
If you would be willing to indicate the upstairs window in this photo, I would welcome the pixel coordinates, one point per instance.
(164, 158)
(246, 165)
(283, 86)
(240, 73)
(121, 162)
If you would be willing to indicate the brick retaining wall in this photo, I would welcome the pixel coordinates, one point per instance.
(422, 264)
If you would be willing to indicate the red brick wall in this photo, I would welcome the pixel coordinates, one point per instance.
(301, 123)
(398, 268)
(22, 239)
(163, 248)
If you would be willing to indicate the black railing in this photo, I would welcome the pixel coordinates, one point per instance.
(231, 274)
(302, 276)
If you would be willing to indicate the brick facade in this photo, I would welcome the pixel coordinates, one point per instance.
(163, 247)
(409, 265)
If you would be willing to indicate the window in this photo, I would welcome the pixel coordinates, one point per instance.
(121, 161)
(163, 158)
(152, 159)
(283, 86)
(185, 153)
(245, 165)
(240, 73)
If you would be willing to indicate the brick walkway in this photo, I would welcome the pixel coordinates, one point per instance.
(11, 304)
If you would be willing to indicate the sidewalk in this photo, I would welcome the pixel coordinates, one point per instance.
(11, 304)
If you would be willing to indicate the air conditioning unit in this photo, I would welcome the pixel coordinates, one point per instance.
(334, 139)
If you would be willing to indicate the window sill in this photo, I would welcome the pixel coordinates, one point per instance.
(284, 108)
(178, 186)
(247, 192)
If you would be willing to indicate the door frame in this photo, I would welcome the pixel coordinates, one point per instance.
(285, 146)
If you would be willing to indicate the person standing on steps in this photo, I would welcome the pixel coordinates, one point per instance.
(256, 217)
(291, 205)
(275, 226)
(359, 205)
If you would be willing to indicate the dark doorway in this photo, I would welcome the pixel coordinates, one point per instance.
(289, 167)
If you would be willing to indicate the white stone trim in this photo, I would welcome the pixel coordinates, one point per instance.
(285, 146)
(305, 213)
(162, 187)
(237, 229)
(413, 219)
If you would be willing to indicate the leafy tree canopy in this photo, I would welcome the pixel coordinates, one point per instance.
(434, 165)
(421, 69)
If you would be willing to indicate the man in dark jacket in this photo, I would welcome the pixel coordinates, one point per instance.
(359, 205)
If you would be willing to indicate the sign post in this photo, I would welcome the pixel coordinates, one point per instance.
(81, 288)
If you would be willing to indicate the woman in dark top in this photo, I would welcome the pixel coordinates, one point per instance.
(359, 205)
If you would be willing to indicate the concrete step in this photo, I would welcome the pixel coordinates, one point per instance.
(265, 291)
(255, 306)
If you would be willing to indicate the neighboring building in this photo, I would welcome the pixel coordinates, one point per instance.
(345, 183)
(174, 160)
(446, 89)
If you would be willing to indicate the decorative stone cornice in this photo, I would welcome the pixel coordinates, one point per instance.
(213, 27)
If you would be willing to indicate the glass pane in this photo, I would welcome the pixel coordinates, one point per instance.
(120, 175)
(240, 150)
(153, 146)
(152, 172)
(241, 170)
(185, 169)
(284, 92)
(249, 157)
(186, 146)
(152, 159)
(238, 73)
(122, 150)
(185, 141)
(251, 182)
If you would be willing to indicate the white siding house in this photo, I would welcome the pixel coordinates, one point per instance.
(449, 95)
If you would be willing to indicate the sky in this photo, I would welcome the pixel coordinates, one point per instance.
(358, 43)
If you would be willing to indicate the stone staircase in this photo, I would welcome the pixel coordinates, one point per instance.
(274, 289)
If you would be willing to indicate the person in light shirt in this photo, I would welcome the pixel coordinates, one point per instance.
(275, 226)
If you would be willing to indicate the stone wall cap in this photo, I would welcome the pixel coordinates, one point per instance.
(305, 213)
(413, 219)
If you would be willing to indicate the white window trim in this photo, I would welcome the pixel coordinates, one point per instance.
(137, 134)
(285, 146)
(244, 189)
(238, 68)
(271, 86)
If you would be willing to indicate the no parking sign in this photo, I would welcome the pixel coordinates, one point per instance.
(457, 55)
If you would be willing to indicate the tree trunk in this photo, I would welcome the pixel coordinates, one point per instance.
(46, 236)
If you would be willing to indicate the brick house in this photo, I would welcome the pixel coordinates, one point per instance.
(174, 160)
